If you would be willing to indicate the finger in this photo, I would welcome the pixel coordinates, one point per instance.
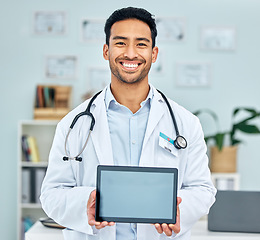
(158, 228)
(111, 223)
(175, 228)
(166, 229)
(92, 222)
(101, 225)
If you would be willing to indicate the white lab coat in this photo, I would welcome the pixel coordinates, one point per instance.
(67, 185)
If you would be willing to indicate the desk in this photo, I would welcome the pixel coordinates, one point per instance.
(199, 232)
(39, 232)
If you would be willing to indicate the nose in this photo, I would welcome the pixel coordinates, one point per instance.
(130, 52)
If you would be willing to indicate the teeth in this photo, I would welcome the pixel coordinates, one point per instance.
(130, 65)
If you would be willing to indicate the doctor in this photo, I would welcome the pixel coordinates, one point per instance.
(130, 114)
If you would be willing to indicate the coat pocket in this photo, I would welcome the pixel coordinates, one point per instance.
(165, 158)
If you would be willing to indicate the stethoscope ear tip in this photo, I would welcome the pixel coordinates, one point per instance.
(78, 159)
(65, 158)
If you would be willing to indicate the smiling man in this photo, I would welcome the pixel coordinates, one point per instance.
(130, 51)
(133, 123)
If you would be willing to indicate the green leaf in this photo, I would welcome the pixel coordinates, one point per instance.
(251, 110)
(235, 142)
(247, 128)
(219, 140)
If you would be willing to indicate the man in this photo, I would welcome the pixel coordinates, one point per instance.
(130, 115)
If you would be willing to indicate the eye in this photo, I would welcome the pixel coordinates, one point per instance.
(141, 44)
(120, 43)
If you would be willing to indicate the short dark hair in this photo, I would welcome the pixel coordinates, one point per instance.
(131, 13)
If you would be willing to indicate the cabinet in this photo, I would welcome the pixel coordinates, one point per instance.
(226, 181)
(30, 174)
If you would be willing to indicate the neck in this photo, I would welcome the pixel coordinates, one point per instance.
(130, 95)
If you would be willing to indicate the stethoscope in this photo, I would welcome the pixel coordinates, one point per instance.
(180, 142)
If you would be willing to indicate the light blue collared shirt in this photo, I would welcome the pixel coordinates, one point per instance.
(127, 132)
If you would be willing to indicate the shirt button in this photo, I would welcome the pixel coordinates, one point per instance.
(133, 142)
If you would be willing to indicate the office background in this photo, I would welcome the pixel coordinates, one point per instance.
(234, 78)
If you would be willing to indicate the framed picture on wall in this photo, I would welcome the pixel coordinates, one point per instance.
(171, 29)
(218, 38)
(61, 67)
(49, 23)
(193, 74)
(92, 30)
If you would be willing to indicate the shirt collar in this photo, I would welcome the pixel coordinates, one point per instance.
(110, 99)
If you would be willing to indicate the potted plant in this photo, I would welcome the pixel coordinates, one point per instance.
(223, 158)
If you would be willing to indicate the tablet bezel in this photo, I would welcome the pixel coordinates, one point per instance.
(101, 168)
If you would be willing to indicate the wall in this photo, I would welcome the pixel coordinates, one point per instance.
(234, 82)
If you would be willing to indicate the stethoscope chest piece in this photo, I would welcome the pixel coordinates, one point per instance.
(180, 142)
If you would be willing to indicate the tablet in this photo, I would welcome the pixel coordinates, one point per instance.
(136, 194)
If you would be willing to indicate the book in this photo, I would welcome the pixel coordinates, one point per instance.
(52, 97)
(25, 148)
(40, 99)
(26, 186)
(39, 176)
(46, 96)
(34, 152)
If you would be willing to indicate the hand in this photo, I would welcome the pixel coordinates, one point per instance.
(169, 228)
(91, 211)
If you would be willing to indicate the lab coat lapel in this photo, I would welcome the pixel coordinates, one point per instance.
(156, 113)
(100, 135)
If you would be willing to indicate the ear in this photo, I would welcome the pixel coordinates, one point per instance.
(105, 52)
(155, 54)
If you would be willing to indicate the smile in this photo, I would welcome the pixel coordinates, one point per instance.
(130, 65)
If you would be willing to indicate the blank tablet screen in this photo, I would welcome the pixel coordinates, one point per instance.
(136, 194)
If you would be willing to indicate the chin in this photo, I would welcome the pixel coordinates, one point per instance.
(130, 81)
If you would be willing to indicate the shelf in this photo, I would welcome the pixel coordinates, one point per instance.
(31, 205)
(226, 181)
(31, 174)
(39, 122)
(33, 164)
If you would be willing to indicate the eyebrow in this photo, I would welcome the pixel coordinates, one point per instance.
(143, 39)
(125, 38)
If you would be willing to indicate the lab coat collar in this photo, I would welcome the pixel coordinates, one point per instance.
(100, 135)
(156, 113)
(109, 98)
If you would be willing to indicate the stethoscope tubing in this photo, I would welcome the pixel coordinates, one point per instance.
(171, 113)
(92, 124)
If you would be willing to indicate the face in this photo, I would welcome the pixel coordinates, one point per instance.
(130, 51)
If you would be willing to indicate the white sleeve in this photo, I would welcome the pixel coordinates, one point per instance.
(61, 198)
(197, 191)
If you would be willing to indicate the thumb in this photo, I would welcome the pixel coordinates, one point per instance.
(92, 199)
(93, 195)
(179, 200)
